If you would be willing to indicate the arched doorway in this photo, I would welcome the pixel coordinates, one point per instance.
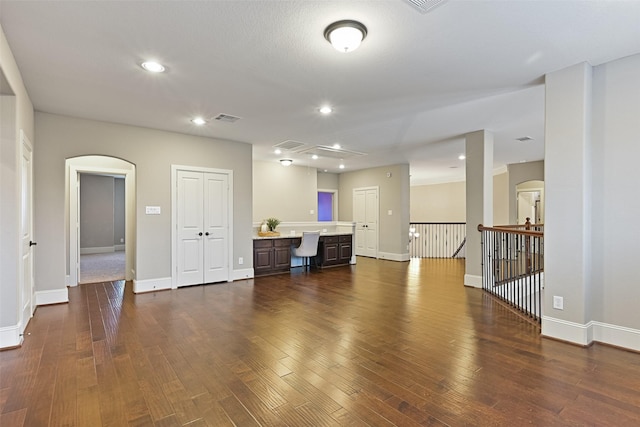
(102, 165)
(530, 202)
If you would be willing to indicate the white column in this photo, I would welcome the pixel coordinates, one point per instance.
(568, 203)
(479, 187)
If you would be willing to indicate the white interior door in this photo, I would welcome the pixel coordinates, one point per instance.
(190, 228)
(365, 211)
(203, 227)
(216, 226)
(26, 297)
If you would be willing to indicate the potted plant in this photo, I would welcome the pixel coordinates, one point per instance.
(272, 223)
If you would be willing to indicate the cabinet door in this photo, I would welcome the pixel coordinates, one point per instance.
(330, 253)
(282, 257)
(345, 250)
(262, 256)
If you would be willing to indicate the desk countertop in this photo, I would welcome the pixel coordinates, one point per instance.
(298, 235)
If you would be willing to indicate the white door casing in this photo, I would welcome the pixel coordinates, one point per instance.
(26, 286)
(92, 164)
(365, 211)
(202, 222)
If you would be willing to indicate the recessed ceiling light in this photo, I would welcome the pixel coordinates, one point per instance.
(314, 157)
(198, 121)
(336, 146)
(152, 66)
(286, 162)
(523, 161)
(462, 157)
(278, 151)
(341, 166)
(325, 170)
(326, 109)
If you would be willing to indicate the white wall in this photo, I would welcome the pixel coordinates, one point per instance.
(16, 113)
(447, 202)
(153, 152)
(615, 205)
(288, 193)
(519, 173)
(97, 209)
(394, 195)
(591, 233)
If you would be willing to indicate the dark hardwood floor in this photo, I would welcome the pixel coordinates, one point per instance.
(381, 343)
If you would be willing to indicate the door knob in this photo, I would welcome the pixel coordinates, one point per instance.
(32, 243)
(206, 234)
(200, 233)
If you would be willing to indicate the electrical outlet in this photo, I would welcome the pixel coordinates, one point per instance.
(121, 240)
(240, 260)
(311, 211)
(558, 302)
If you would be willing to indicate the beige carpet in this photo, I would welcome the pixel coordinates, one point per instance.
(105, 267)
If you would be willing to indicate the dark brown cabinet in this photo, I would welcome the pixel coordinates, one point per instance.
(334, 250)
(272, 256)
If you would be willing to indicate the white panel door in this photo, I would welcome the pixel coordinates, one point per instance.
(365, 212)
(203, 227)
(371, 222)
(216, 227)
(190, 236)
(26, 234)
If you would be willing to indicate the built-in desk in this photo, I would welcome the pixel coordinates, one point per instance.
(272, 255)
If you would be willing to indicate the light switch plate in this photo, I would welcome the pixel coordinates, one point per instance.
(152, 210)
(558, 302)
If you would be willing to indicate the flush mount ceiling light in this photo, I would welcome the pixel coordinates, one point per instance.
(326, 109)
(462, 157)
(314, 157)
(152, 66)
(198, 121)
(286, 162)
(345, 36)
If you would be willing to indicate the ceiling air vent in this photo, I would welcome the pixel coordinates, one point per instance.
(335, 153)
(424, 6)
(524, 139)
(227, 118)
(289, 145)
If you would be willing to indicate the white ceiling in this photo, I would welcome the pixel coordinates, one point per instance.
(415, 86)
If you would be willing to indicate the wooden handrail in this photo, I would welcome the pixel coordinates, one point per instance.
(531, 233)
(514, 229)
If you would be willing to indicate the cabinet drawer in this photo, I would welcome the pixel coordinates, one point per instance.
(263, 243)
(345, 238)
(330, 239)
(281, 243)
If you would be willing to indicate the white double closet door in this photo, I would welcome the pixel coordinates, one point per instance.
(202, 227)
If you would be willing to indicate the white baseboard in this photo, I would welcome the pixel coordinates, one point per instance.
(10, 337)
(619, 336)
(245, 273)
(567, 331)
(393, 257)
(97, 250)
(473, 281)
(151, 285)
(119, 248)
(54, 296)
